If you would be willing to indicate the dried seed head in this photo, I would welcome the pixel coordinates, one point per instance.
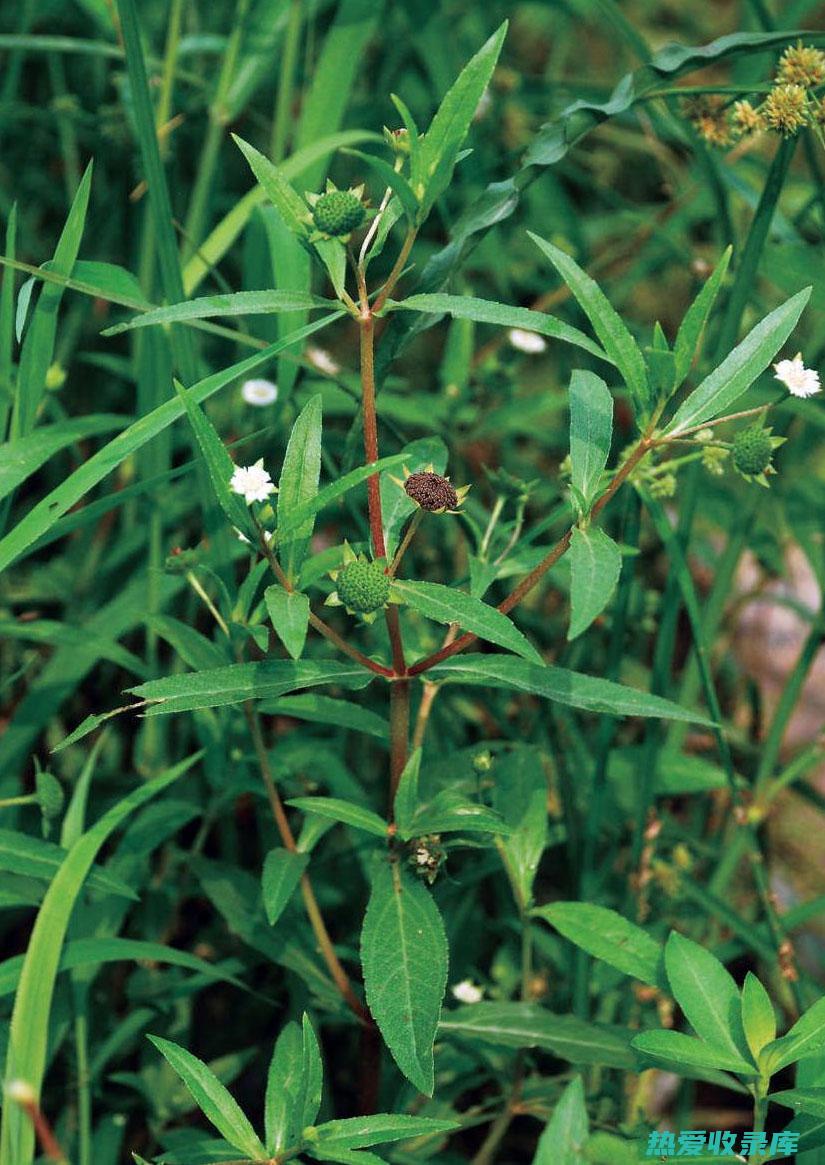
(431, 492)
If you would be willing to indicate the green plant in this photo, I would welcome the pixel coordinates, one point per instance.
(416, 730)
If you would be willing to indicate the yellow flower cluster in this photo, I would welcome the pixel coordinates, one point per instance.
(788, 107)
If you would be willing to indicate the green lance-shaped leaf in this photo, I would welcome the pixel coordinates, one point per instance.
(299, 482)
(447, 605)
(238, 303)
(483, 311)
(214, 1101)
(282, 873)
(450, 812)
(707, 994)
(555, 683)
(810, 1101)
(279, 191)
(719, 391)
(391, 178)
(595, 566)
(528, 1025)
(406, 796)
(38, 345)
(404, 959)
(448, 128)
(335, 809)
(218, 462)
(94, 952)
(362, 1131)
(36, 858)
(806, 1038)
(520, 796)
(591, 431)
(245, 681)
(48, 511)
(29, 1032)
(293, 1088)
(608, 936)
(565, 1135)
(677, 1048)
(689, 336)
(289, 613)
(613, 334)
(327, 710)
(284, 1084)
(758, 1016)
(24, 457)
(335, 490)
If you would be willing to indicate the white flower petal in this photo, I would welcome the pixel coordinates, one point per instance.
(799, 380)
(467, 992)
(259, 392)
(253, 483)
(524, 341)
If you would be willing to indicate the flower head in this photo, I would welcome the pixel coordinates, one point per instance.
(530, 342)
(785, 109)
(799, 380)
(801, 65)
(362, 586)
(467, 991)
(753, 453)
(259, 392)
(337, 213)
(252, 482)
(746, 119)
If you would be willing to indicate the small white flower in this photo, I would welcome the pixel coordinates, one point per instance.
(467, 992)
(252, 482)
(323, 361)
(530, 342)
(799, 380)
(259, 392)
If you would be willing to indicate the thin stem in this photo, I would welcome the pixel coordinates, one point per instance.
(719, 421)
(399, 732)
(371, 431)
(405, 542)
(397, 269)
(428, 696)
(195, 584)
(316, 920)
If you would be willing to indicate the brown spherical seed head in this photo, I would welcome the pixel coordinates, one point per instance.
(431, 491)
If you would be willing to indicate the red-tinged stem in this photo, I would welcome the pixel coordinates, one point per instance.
(549, 560)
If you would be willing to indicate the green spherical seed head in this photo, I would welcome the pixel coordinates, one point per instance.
(338, 212)
(363, 587)
(752, 450)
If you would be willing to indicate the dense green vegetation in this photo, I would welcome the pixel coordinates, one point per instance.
(411, 555)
